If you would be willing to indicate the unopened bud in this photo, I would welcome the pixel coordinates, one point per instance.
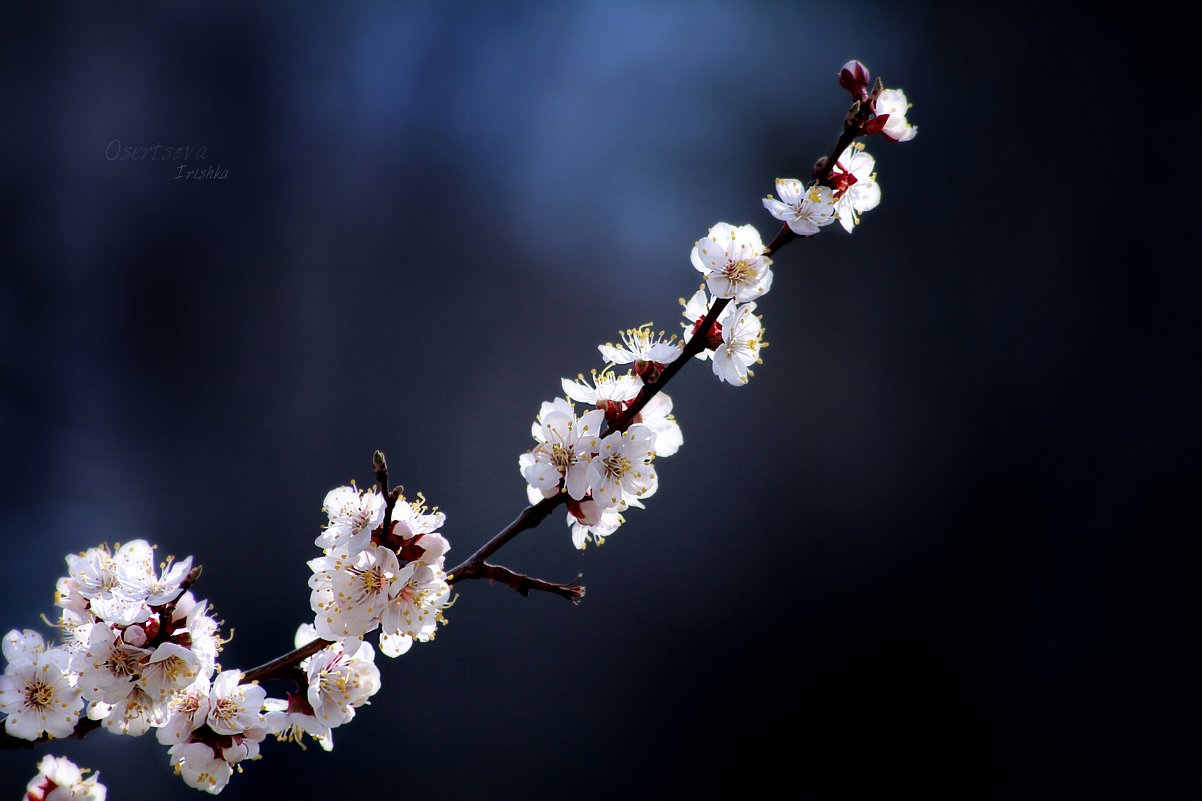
(854, 78)
(378, 461)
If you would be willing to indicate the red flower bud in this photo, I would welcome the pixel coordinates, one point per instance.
(855, 79)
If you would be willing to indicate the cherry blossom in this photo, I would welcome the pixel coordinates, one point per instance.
(200, 766)
(39, 696)
(622, 467)
(892, 102)
(590, 522)
(609, 391)
(657, 415)
(59, 779)
(646, 349)
(733, 262)
(856, 189)
(349, 593)
(740, 348)
(353, 515)
(565, 445)
(804, 210)
(415, 608)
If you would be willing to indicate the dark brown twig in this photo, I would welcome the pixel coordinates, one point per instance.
(524, 584)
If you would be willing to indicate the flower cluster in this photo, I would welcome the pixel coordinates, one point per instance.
(139, 651)
(335, 684)
(884, 109)
(59, 779)
(133, 638)
(381, 569)
(602, 457)
(603, 473)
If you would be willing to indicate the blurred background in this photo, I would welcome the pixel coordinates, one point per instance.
(943, 545)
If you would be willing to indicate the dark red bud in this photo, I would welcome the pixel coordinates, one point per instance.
(855, 79)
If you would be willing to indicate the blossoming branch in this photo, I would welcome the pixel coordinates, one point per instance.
(137, 651)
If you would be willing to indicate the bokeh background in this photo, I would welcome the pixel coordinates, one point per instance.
(943, 545)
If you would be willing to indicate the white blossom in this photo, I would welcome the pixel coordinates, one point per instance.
(23, 646)
(204, 640)
(200, 767)
(234, 708)
(353, 515)
(99, 572)
(657, 415)
(292, 718)
(733, 262)
(214, 730)
(608, 391)
(803, 210)
(623, 467)
(171, 668)
(189, 711)
(413, 519)
(349, 593)
(108, 667)
(337, 684)
(59, 779)
(893, 102)
(133, 715)
(73, 605)
(856, 189)
(740, 348)
(121, 609)
(154, 588)
(39, 696)
(565, 445)
(590, 522)
(644, 345)
(414, 608)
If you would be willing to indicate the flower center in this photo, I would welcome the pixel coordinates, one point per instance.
(226, 709)
(124, 663)
(373, 580)
(562, 458)
(39, 695)
(741, 270)
(616, 466)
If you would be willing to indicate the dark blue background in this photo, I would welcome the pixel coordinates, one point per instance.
(943, 546)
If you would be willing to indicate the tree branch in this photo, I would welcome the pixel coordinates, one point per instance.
(524, 584)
